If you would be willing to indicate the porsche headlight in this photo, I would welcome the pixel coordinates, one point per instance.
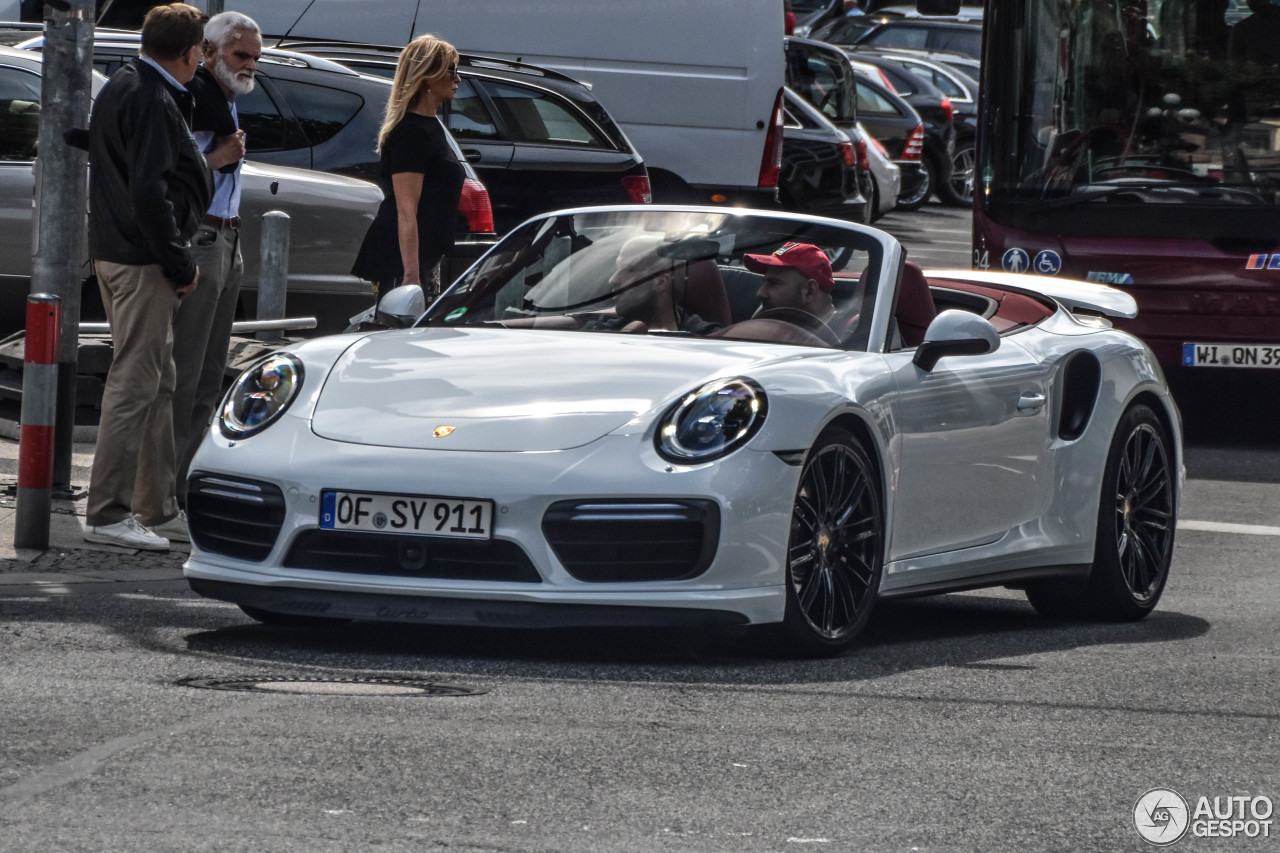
(713, 421)
(260, 395)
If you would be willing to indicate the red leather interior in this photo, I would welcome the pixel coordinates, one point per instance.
(705, 294)
(915, 306)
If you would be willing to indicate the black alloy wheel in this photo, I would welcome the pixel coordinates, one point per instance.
(836, 550)
(958, 191)
(929, 182)
(1136, 522)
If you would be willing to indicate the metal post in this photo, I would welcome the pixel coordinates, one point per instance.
(35, 436)
(58, 251)
(273, 272)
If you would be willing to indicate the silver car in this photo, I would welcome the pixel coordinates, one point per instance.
(886, 177)
(329, 215)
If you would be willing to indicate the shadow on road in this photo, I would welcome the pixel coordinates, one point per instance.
(974, 631)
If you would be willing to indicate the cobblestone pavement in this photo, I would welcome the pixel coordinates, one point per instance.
(70, 559)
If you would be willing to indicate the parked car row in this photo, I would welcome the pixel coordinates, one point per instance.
(530, 140)
(914, 84)
(857, 143)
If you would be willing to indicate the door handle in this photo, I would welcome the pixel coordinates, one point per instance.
(1029, 404)
(472, 155)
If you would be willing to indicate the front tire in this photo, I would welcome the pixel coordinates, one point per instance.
(836, 549)
(1136, 521)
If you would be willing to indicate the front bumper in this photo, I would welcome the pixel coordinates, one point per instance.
(741, 582)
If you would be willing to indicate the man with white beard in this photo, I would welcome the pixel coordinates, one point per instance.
(202, 328)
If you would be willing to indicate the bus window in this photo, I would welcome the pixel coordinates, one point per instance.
(1137, 144)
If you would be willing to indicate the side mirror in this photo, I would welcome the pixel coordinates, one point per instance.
(401, 306)
(950, 8)
(955, 333)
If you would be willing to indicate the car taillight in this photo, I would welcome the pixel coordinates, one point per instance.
(915, 144)
(884, 79)
(771, 159)
(637, 186)
(846, 151)
(948, 110)
(863, 163)
(475, 206)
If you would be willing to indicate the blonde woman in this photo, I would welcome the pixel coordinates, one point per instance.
(420, 177)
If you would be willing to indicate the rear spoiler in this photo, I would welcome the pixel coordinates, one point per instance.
(1073, 294)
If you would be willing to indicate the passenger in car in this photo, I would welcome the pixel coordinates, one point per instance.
(649, 292)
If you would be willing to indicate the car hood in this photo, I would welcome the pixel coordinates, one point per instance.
(514, 390)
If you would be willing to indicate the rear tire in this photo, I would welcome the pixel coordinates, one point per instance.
(1136, 521)
(835, 552)
(958, 191)
(916, 199)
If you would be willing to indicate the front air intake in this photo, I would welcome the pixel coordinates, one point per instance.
(233, 516)
(615, 541)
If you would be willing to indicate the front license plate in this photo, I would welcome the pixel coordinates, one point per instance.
(415, 515)
(1231, 355)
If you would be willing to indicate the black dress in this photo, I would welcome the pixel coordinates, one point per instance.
(416, 144)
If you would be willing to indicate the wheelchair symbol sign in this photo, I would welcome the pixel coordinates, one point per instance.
(1015, 260)
(1048, 262)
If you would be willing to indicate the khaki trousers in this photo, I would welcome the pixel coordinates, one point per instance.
(133, 465)
(201, 336)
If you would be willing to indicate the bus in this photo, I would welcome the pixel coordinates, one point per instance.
(1136, 143)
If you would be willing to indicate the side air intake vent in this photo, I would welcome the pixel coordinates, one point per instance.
(1080, 381)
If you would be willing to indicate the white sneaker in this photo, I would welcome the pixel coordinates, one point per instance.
(129, 533)
(175, 529)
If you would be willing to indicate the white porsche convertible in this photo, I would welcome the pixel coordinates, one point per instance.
(696, 416)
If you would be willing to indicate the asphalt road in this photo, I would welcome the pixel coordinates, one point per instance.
(961, 723)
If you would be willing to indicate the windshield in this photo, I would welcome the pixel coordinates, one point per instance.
(688, 273)
(1168, 102)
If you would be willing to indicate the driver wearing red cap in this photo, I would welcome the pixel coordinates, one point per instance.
(797, 275)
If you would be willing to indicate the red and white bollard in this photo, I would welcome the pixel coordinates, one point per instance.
(39, 407)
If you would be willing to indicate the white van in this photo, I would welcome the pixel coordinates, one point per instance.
(695, 86)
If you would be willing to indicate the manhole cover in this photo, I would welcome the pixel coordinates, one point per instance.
(333, 686)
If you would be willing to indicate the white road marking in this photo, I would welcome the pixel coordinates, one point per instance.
(1225, 527)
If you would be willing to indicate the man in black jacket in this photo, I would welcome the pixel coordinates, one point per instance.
(149, 186)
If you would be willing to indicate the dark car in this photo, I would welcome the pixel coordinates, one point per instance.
(962, 90)
(820, 169)
(822, 75)
(811, 14)
(312, 113)
(966, 65)
(539, 139)
(954, 36)
(899, 129)
(934, 109)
